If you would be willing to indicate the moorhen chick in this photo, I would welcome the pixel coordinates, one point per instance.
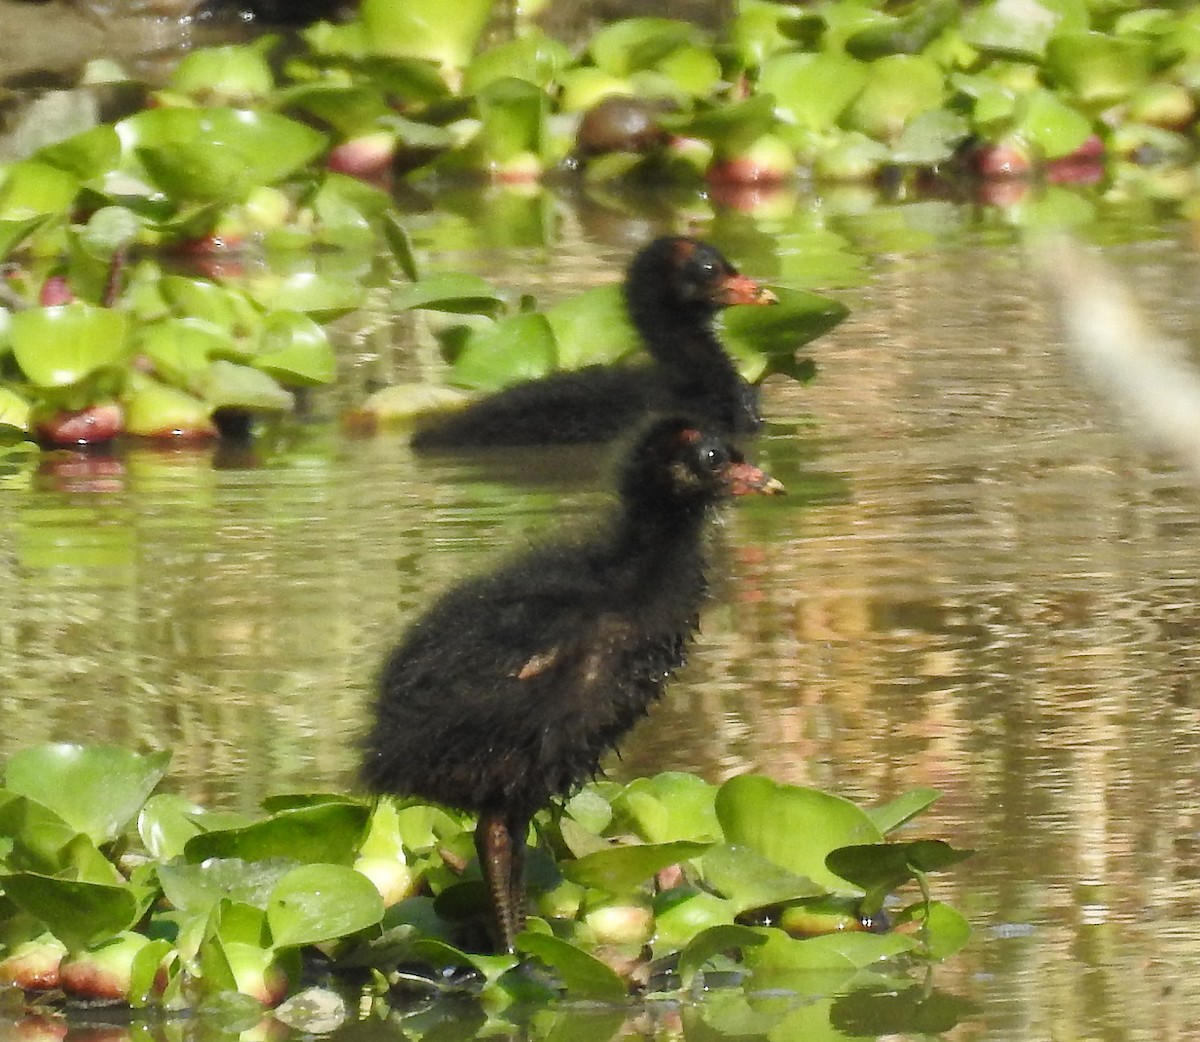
(673, 289)
(507, 692)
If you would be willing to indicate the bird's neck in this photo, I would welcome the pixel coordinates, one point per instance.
(685, 342)
(665, 539)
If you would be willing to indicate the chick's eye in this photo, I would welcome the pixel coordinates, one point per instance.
(715, 457)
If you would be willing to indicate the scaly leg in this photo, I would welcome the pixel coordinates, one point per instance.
(500, 844)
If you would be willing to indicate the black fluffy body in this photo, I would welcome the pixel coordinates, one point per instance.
(673, 289)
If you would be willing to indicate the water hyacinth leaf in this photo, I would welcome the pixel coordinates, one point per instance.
(96, 789)
(519, 347)
(891, 865)
(732, 126)
(327, 832)
(535, 57)
(295, 350)
(1020, 28)
(108, 229)
(218, 154)
(325, 295)
(931, 138)
(233, 386)
(512, 115)
(712, 942)
(583, 975)
(751, 881)
(592, 326)
(315, 903)
(348, 211)
(793, 826)
(834, 951)
(421, 29)
(457, 293)
(79, 914)
(85, 155)
(903, 808)
(763, 340)
(1097, 68)
(14, 411)
(1052, 126)
(166, 822)
(203, 299)
(683, 913)
(441, 955)
(631, 44)
(619, 870)
(944, 930)
(898, 89)
(350, 109)
(673, 805)
(29, 188)
(35, 836)
(181, 348)
(234, 74)
(812, 90)
(156, 410)
(908, 33)
(144, 972)
(590, 809)
(14, 232)
(197, 889)
(60, 346)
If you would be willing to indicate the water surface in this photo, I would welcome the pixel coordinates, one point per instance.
(979, 582)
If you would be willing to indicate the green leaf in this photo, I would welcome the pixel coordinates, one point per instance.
(591, 327)
(944, 931)
(37, 839)
(425, 28)
(763, 340)
(618, 870)
(79, 914)
(1012, 27)
(29, 188)
(713, 941)
(229, 385)
(519, 347)
(582, 975)
(166, 823)
(295, 350)
(60, 346)
(327, 832)
(198, 888)
(86, 155)
(631, 44)
(903, 808)
(909, 33)
(1097, 68)
(315, 903)
(1050, 124)
(812, 90)
(181, 348)
(218, 154)
(155, 410)
(673, 805)
(453, 292)
(98, 790)
(683, 913)
(14, 410)
(898, 89)
(14, 232)
(535, 57)
(512, 115)
(750, 881)
(792, 826)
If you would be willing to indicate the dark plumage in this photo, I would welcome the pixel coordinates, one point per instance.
(509, 690)
(673, 289)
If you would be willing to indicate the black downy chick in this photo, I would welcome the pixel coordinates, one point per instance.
(508, 691)
(673, 289)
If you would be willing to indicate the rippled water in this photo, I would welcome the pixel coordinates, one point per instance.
(979, 582)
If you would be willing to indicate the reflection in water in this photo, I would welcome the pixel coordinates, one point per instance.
(976, 584)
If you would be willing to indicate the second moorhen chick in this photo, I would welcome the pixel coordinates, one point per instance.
(508, 691)
(673, 290)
